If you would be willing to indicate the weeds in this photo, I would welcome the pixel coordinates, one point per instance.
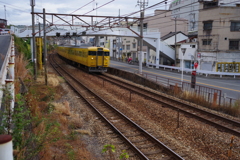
(110, 149)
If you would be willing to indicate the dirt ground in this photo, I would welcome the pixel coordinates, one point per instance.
(197, 140)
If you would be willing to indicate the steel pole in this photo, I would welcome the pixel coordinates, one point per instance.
(182, 70)
(175, 63)
(141, 43)
(45, 46)
(33, 42)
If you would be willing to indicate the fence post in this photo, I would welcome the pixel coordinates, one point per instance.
(6, 148)
(220, 96)
(178, 120)
(130, 97)
(214, 100)
(230, 149)
(209, 94)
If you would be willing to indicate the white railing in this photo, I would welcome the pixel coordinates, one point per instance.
(199, 72)
(7, 81)
(164, 47)
(7, 69)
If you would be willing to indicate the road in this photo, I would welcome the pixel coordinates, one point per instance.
(229, 85)
(4, 44)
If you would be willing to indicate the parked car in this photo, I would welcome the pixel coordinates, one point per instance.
(4, 31)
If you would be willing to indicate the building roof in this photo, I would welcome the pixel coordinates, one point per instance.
(170, 34)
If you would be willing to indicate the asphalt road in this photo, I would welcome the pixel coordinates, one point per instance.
(4, 44)
(229, 85)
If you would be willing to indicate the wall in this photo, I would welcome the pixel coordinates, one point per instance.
(218, 50)
(163, 21)
(179, 37)
(187, 9)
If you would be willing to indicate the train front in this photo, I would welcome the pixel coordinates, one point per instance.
(98, 59)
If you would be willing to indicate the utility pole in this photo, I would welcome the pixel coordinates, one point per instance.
(45, 47)
(175, 41)
(32, 3)
(142, 5)
(5, 12)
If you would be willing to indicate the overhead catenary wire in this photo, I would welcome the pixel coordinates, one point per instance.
(157, 18)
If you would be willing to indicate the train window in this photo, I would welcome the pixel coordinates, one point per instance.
(100, 53)
(92, 53)
(106, 53)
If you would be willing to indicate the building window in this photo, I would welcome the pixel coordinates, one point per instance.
(207, 25)
(128, 47)
(134, 45)
(206, 42)
(234, 44)
(235, 26)
(145, 25)
(123, 47)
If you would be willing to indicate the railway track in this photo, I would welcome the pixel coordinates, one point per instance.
(221, 123)
(143, 144)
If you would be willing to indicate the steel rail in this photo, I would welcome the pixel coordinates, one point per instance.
(167, 150)
(165, 104)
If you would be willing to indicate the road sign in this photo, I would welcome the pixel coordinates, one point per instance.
(183, 50)
(195, 65)
(198, 55)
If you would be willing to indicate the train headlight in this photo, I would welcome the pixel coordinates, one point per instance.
(92, 58)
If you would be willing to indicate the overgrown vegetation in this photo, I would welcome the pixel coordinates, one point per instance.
(23, 46)
(38, 125)
(233, 109)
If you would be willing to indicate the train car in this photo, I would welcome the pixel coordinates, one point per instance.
(92, 59)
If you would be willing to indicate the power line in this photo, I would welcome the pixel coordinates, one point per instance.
(157, 18)
(14, 7)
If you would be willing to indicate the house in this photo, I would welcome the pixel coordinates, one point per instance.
(129, 47)
(188, 10)
(219, 37)
(163, 22)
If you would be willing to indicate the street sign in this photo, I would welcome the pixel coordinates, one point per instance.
(198, 55)
(183, 50)
(195, 65)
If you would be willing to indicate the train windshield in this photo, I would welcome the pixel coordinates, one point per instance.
(100, 53)
(92, 53)
(106, 53)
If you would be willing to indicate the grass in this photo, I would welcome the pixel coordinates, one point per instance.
(53, 124)
(233, 110)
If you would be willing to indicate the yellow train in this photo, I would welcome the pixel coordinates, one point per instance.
(92, 59)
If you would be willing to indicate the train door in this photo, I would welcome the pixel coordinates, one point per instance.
(100, 58)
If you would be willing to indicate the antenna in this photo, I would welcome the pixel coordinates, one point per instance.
(5, 12)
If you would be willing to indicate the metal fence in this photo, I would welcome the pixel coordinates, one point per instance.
(210, 95)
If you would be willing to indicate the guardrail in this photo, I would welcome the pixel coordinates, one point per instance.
(199, 72)
(7, 74)
(7, 82)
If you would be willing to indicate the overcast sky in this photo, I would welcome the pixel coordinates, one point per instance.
(18, 11)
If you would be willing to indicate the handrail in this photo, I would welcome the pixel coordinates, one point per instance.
(198, 71)
(7, 70)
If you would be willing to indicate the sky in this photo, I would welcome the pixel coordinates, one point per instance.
(17, 12)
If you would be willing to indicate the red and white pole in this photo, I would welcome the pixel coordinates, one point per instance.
(6, 147)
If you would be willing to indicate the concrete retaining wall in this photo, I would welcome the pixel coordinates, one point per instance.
(138, 79)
